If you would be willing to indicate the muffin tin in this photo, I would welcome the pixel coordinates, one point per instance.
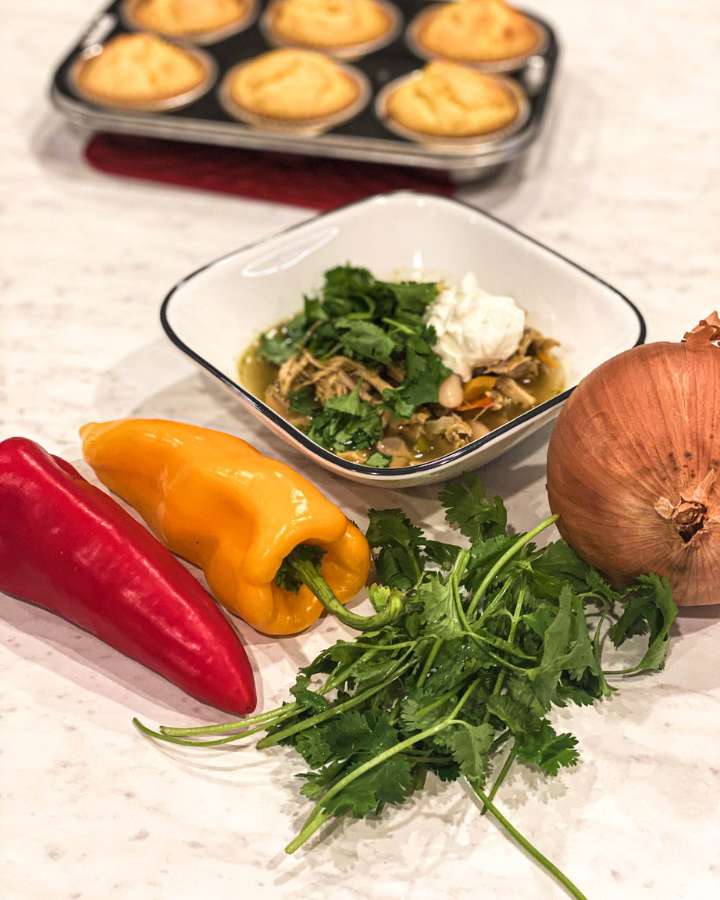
(208, 118)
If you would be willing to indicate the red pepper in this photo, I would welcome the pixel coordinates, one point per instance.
(70, 548)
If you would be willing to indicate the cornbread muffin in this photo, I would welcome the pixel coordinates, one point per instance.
(186, 18)
(328, 24)
(139, 69)
(449, 100)
(293, 85)
(476, 31)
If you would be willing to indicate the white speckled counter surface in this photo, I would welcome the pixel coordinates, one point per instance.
(625, 180)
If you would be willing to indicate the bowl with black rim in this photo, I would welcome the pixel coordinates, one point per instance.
(214, 314)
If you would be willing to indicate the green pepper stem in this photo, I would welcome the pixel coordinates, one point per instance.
(529, 848)
(310, 576)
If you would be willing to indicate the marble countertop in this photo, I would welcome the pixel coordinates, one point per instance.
(624, 180)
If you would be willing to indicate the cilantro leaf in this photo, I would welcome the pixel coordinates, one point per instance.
(304, 402)
(566, 646)
(650, 608)
(379, 460)
(367, 341)
(412, 299)
(389, 782)
(548, 750)
(470, 746)
(443, 555)
(424, 373)
(347, 423)
(518, 717)
(279, 344)
(440, 614)
(306, 697)
(398, 547)
(471, 512)
(314, 310)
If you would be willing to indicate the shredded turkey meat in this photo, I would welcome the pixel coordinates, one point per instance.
(453, 428)
(334, 377)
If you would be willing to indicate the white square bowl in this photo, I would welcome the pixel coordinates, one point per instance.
(215, 313)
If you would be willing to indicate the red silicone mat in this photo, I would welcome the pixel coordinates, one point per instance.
(296, 180)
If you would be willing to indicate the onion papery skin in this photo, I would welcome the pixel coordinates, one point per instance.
(634, 457)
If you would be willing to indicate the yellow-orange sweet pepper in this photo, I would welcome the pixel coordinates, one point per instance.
(220, 504)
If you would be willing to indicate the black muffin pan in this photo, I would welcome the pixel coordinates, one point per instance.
(363, 137)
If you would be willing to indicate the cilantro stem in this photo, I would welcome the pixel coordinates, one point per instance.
(529, 848)
(504, 559)
(339, 677)
(429, 660)
(501, 776)
(399, 646)
(499, 684)
(326, 714)
(319, 816)
(186, 742)
(456, 574)
(310, 576)
(399, 326)
(239, 725)
(500, 680)
(437, 702)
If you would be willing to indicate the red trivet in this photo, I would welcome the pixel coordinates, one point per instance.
(277, 178)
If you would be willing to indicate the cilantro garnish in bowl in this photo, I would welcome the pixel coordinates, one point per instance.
(357, 370)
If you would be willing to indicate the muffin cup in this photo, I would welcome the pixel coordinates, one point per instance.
(203, 37)
(491, 66)
(302, 127)
(347, 52)
(162, 104)
(461, 145)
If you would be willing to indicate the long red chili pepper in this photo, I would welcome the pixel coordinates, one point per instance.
(67, 546)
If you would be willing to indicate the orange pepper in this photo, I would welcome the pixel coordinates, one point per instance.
(547, 358)
(478, 387)
(219, 503)
(481, 403)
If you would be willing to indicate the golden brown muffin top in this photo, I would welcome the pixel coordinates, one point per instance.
(450, 100)
(292, 84)
(188, 17)
(477, 31)
(330, 24)
(135, 69)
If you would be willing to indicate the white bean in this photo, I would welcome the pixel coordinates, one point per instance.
(478, 429)
(393, 446)
(450, 394)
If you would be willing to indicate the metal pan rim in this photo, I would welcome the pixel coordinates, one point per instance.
(301, 127)
(201, 39)
(333, 146)
(491, 66)
(460, 145)
(347, 52)
(164, 104)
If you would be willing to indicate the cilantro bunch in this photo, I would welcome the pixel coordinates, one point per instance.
(486, 637)
(378, 323)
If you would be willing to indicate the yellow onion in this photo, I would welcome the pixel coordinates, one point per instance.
(633, 464)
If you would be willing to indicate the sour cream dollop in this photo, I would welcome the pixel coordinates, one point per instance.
(474, 328)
